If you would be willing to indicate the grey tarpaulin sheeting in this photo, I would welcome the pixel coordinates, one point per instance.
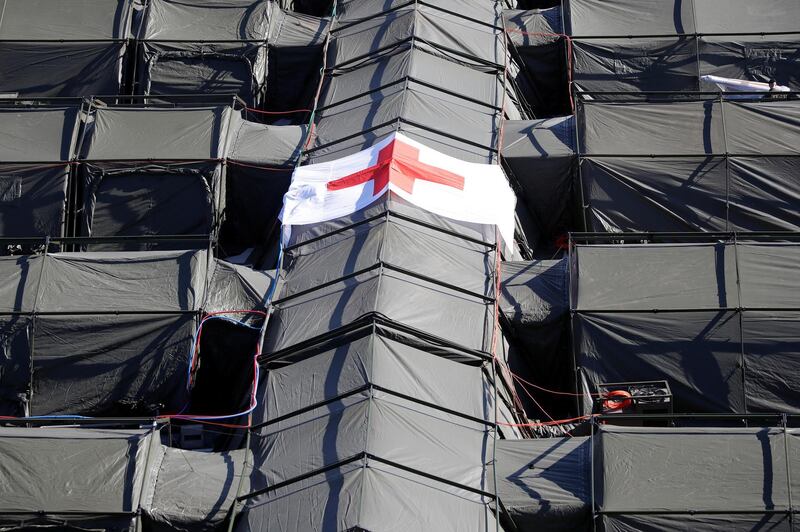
(394, 205)
(153, 171)
(229, 47)
(217, 47)
(131, 133)
(534, 293)
(378, 423)
(33, 196)
(597, 18)
(416, 103)
(390, 72)
(339, 394)
(541, 157)
(715, 320)
(390, 294)
(112, 479)
(387, 497)
(265, 145)
(639, 64)
(380, 360)
(637, 128)
(349, 11)
(433, 26)
(396, 241)
(193, 490)
(537, 38)
(664, 168)
(400, 297)
(345, 277)
(295, 58)
(689, 166)
(236, 287)
(711, 474)
(149, 300)
(145, 171)
(36, 134)
(544, 484)
(78, 366)
(94, 478)
(533, 27)
(300, 440)
(261, 159)
(99, 365)
(627, 45)
(591, 18)
(701, 478)
(690, 128)
(535, 304)
(60, 49)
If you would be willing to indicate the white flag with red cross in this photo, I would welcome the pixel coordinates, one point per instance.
(439, 183)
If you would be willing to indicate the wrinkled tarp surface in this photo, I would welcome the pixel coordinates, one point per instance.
(653, 45)
(193, 490)
(541, 157)
(63, 49)
(32, 197)
(544, 484)
(715, 320)
(113, 330)
(89, 477)
(384, 267)
(615, 50)
(126, 194)
(230, 47)
(111, 479)
(389, 71)
(356, 419)
(688, 470)
(535, 304)
(144, 171)
(668, 166)
(665, 167)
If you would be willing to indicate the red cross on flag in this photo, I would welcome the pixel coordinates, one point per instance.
(429, 179)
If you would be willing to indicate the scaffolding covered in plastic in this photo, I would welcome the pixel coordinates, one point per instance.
(595, 482)
(717, 320)
(92, 170)
(109, 333)
(697, 164)
(174, 357)
(653, 46)
(60, 49)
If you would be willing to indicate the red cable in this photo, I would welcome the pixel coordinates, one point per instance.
(548, 423)
(553, 391)
(196, 346)
(542, 408)
(215, 423)
(496, 327)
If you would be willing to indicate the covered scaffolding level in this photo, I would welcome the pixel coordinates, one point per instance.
(226, 302)
(390, 396)
(607, 48)
(58, 49)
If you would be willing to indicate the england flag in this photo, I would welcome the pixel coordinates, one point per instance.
(439, 183)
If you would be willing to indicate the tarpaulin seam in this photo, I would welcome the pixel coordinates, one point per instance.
(380, 319)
